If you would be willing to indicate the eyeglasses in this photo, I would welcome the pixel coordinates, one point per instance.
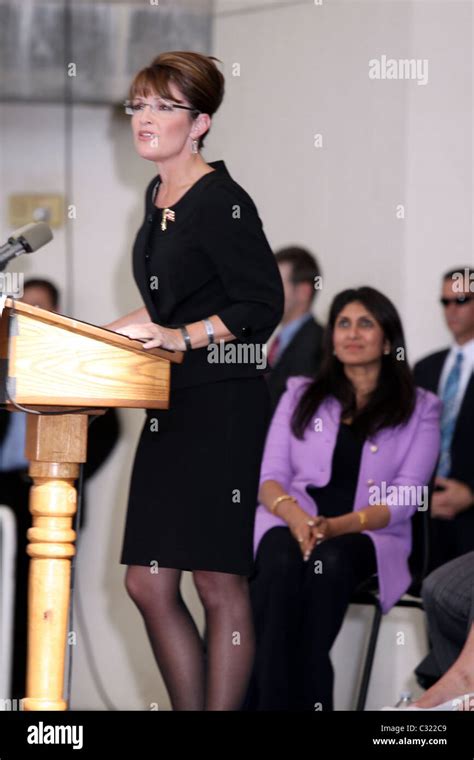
(157, 105)
(460, 300)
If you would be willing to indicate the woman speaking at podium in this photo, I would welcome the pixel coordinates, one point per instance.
(207, 275)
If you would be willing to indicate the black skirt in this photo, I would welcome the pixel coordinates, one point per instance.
(193, 491)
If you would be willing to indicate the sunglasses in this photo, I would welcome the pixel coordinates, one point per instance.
(460, 300)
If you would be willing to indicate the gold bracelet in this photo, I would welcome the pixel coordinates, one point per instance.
(283, 497)
(362, 517)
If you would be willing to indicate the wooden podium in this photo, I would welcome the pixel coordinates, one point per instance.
(50, 363)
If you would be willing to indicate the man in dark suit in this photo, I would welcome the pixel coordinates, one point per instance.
(296, 348)
(15, 484)
(450, 374)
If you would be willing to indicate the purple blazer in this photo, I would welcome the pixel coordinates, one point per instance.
(399, 456)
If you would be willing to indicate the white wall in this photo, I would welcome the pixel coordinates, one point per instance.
(303, 70)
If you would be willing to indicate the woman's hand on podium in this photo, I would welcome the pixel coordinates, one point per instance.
(155, 335)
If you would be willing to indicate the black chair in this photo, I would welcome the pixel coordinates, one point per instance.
(367, 592)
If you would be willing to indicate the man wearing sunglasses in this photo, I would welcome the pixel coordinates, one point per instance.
(450, 373)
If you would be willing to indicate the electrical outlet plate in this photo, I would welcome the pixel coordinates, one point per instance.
(37, 207)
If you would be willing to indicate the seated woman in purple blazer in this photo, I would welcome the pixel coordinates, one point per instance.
(347, 461)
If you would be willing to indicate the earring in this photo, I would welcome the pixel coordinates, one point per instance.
(194, 146)
(387, 351)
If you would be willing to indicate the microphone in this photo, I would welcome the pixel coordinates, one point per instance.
(25, 240)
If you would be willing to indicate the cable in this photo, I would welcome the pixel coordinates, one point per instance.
(70, 627)
(74, 593)
(65, 410)
(68, 123)
(82, 621)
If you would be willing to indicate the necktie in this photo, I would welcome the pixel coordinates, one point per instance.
(449, 416)
(273, 353)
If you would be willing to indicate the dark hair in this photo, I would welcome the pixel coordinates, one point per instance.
(304, 267)
(460, 270)
(393, 400)
(196, 76)
(52, 290)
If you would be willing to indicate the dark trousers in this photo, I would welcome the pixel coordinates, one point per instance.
(298, 610)
(448, 540)
(14, 492)
(448, 598)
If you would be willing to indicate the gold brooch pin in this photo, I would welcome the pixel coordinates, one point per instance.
(166, 216)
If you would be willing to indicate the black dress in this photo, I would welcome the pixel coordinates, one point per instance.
(193, 491)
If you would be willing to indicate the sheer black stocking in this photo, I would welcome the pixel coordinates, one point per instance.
(230, 637)
(177, 645)
(173, 634)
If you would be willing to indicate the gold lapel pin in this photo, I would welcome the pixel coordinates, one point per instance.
(167, 216)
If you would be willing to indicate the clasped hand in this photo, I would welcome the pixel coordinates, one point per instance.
(308, 530)
(155, 335)
(454, 498)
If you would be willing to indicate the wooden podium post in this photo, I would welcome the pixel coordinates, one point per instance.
(55, 446)
(60, 370)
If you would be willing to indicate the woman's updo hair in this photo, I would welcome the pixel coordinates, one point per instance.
(195, 75)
